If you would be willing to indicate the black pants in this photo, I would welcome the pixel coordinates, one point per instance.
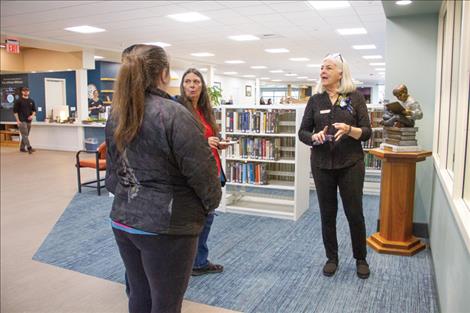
(158, 269)
(350, 181)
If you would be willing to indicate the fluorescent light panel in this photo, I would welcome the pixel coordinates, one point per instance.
(98, 57)
(188, 17)
(377, 64)
(158, 43)
(276, 71)
(302, 77)
(328, 5)
(234, 62)
(380, 69)
(230, 73)
(364, 47)
(403, 2)
(277, 50)
(202, 54)
(265, 78)
(351, 31)
(258, 67)
(249, 76)
(290, 74)
(277, 80)
(85, 29)
(299, 59)
(243, 37)
(372, 57)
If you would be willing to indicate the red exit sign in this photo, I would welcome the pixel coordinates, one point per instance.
(12, 46)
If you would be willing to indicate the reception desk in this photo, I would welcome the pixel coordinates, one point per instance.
(63, 137)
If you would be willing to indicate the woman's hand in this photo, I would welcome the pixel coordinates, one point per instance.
(213, 142)
(342, 129)
(223, 144)
(320, 136)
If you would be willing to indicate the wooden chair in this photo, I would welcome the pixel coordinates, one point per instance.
(98, 163)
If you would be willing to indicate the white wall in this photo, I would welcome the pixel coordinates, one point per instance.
(235, 87)
(411, 48)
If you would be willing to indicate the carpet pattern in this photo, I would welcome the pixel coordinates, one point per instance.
(271, 265)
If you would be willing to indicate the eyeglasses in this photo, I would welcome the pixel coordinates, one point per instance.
(335, 55)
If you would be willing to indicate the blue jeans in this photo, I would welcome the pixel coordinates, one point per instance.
(202, 250)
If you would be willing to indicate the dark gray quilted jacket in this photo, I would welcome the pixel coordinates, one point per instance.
(166, 180)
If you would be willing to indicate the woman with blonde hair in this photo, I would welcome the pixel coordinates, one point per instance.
(334, 124)
(159, 170)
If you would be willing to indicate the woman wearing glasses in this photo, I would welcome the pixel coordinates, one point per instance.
(334, 124)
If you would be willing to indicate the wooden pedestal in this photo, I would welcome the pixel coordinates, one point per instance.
(397, 190)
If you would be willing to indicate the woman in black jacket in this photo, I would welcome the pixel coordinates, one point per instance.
(334, 124)
(161, 172)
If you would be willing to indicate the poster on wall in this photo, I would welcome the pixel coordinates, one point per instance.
(11, 89)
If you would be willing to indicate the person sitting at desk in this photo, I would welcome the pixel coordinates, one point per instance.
(95, 105)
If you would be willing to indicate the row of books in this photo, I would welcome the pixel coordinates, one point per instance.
(256, 148)
(374, 141)
(252, 121)
(247, 173)
(372, 162)
(375, 118)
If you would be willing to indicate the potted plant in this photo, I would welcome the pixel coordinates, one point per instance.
(215, 94)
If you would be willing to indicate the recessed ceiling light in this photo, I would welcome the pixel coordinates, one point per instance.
(313, 65)
(265, 78)
(302, 77)
(328, 5)
(230, 73)
(377, 64)
(85, 29)
(258, 67)
(202, 54)
(277, 50)
(33, 71)
(371, 57)
(98, 57)
(364, 47)
(351, 31)
(203, 69)
(188, 17)
(249, 76)
(290, 74)
(299, 59)
(158, 43)
(276, 71)
(234, 62)
(311, 79)
(380, 69)
(243, 37)
(276, 80)
(50, 70)
(403, 2)
(69, 69)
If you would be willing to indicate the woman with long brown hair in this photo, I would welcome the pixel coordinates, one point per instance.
(195, 98)
(159, 170)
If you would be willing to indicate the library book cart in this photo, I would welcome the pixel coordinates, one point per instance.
(267, 169)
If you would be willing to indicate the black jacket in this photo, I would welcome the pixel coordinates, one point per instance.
(320, 113)
(166, 180)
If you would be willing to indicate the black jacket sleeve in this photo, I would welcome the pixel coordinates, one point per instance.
(195, 159)
(363, 120)
(308, 124)
(33, 107)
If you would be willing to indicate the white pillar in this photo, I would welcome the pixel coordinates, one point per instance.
(210, 76)
(81, 81)
(257, 90)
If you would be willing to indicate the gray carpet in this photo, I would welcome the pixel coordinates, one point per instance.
(271, 265)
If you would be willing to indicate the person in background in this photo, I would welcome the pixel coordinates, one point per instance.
(334, 124)
(195, 98)
(270, 101)
(95, 105)
(261, 101)
(160, 170)
(24, 110)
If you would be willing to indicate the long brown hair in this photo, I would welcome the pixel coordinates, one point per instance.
(142, 66)
(203, 104)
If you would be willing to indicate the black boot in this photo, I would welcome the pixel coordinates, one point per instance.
(330, 267)
(362, 269)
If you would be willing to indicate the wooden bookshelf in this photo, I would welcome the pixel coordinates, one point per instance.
(108, 79)
(107, 90)
(283, 192)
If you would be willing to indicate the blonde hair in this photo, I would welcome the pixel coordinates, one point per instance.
(346, 84)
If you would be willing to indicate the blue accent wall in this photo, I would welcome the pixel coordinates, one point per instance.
(10, 85)
(36, 86)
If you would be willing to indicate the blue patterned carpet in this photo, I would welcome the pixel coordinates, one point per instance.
(271, 265)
